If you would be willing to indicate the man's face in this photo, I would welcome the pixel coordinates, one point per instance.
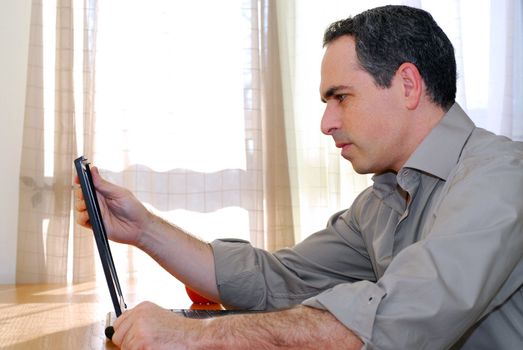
(367, 122)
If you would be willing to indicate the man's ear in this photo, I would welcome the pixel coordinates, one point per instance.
(412, 84)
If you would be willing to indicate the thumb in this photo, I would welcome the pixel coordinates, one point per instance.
(101, 185)
(106, 188)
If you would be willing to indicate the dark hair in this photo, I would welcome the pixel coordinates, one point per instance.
(389, 36)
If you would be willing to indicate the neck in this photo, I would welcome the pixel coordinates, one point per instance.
(424, 119)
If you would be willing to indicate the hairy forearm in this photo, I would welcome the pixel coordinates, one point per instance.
(185, 256)
(297, 328)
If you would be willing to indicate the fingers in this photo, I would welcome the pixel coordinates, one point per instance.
(148, 326)
(78, 194)
(79, 204)
(127, 330)
(121, 327)
(82, 217)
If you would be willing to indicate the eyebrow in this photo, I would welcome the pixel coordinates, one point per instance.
(332, 91)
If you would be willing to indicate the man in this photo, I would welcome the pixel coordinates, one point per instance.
(429, 257)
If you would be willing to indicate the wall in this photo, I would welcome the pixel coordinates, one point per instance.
(14, 40)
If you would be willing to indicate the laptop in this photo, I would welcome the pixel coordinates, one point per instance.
(106, 258)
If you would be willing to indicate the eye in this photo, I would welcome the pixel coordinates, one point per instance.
(340, 97)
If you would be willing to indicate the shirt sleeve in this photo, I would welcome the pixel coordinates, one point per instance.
(436, 289)
(251, 278)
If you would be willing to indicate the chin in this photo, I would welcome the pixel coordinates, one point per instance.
(361, 170)
(364, 169)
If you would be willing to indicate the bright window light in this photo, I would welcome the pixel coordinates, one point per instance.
(171, 76)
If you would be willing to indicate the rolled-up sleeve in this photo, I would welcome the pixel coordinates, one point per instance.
(238, 276)
(251, 278)
(352, 304)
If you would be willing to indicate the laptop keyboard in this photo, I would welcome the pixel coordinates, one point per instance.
(208, 313)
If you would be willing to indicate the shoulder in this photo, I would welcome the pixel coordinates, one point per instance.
(489, 163)
(486, 145)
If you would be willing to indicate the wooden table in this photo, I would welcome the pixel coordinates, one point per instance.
(73, 316)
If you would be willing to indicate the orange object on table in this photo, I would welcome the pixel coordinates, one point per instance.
(197, 298)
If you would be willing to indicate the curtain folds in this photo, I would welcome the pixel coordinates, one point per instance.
(83, 255)
(235, 149)
(48, 148)
(321, 181)
(45, 192)
(505, 106)
(279, 230)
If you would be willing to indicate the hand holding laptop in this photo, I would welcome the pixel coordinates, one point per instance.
(126, 220)
(124, 216)
(120, 205)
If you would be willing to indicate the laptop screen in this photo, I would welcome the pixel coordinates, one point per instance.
(102, 243)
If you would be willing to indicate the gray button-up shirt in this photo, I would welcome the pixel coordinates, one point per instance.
(429, 258)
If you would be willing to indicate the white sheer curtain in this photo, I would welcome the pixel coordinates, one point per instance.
(209, 111)
(170, 110)
(187, 117)
(488, 38)
(47, 251)
(505, 100)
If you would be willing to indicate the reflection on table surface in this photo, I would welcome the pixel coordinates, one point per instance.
(50, 316)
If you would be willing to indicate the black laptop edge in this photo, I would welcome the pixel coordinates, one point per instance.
(102, 242)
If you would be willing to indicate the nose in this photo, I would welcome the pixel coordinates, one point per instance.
(330, 120)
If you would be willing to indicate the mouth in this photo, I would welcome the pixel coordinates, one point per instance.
(345, 148)
(343, 145)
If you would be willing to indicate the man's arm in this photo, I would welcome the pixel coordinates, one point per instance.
(252, 278)
(127, 221)
(185, 256)
(149, 326)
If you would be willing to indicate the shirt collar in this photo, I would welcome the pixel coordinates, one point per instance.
(439, 152)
